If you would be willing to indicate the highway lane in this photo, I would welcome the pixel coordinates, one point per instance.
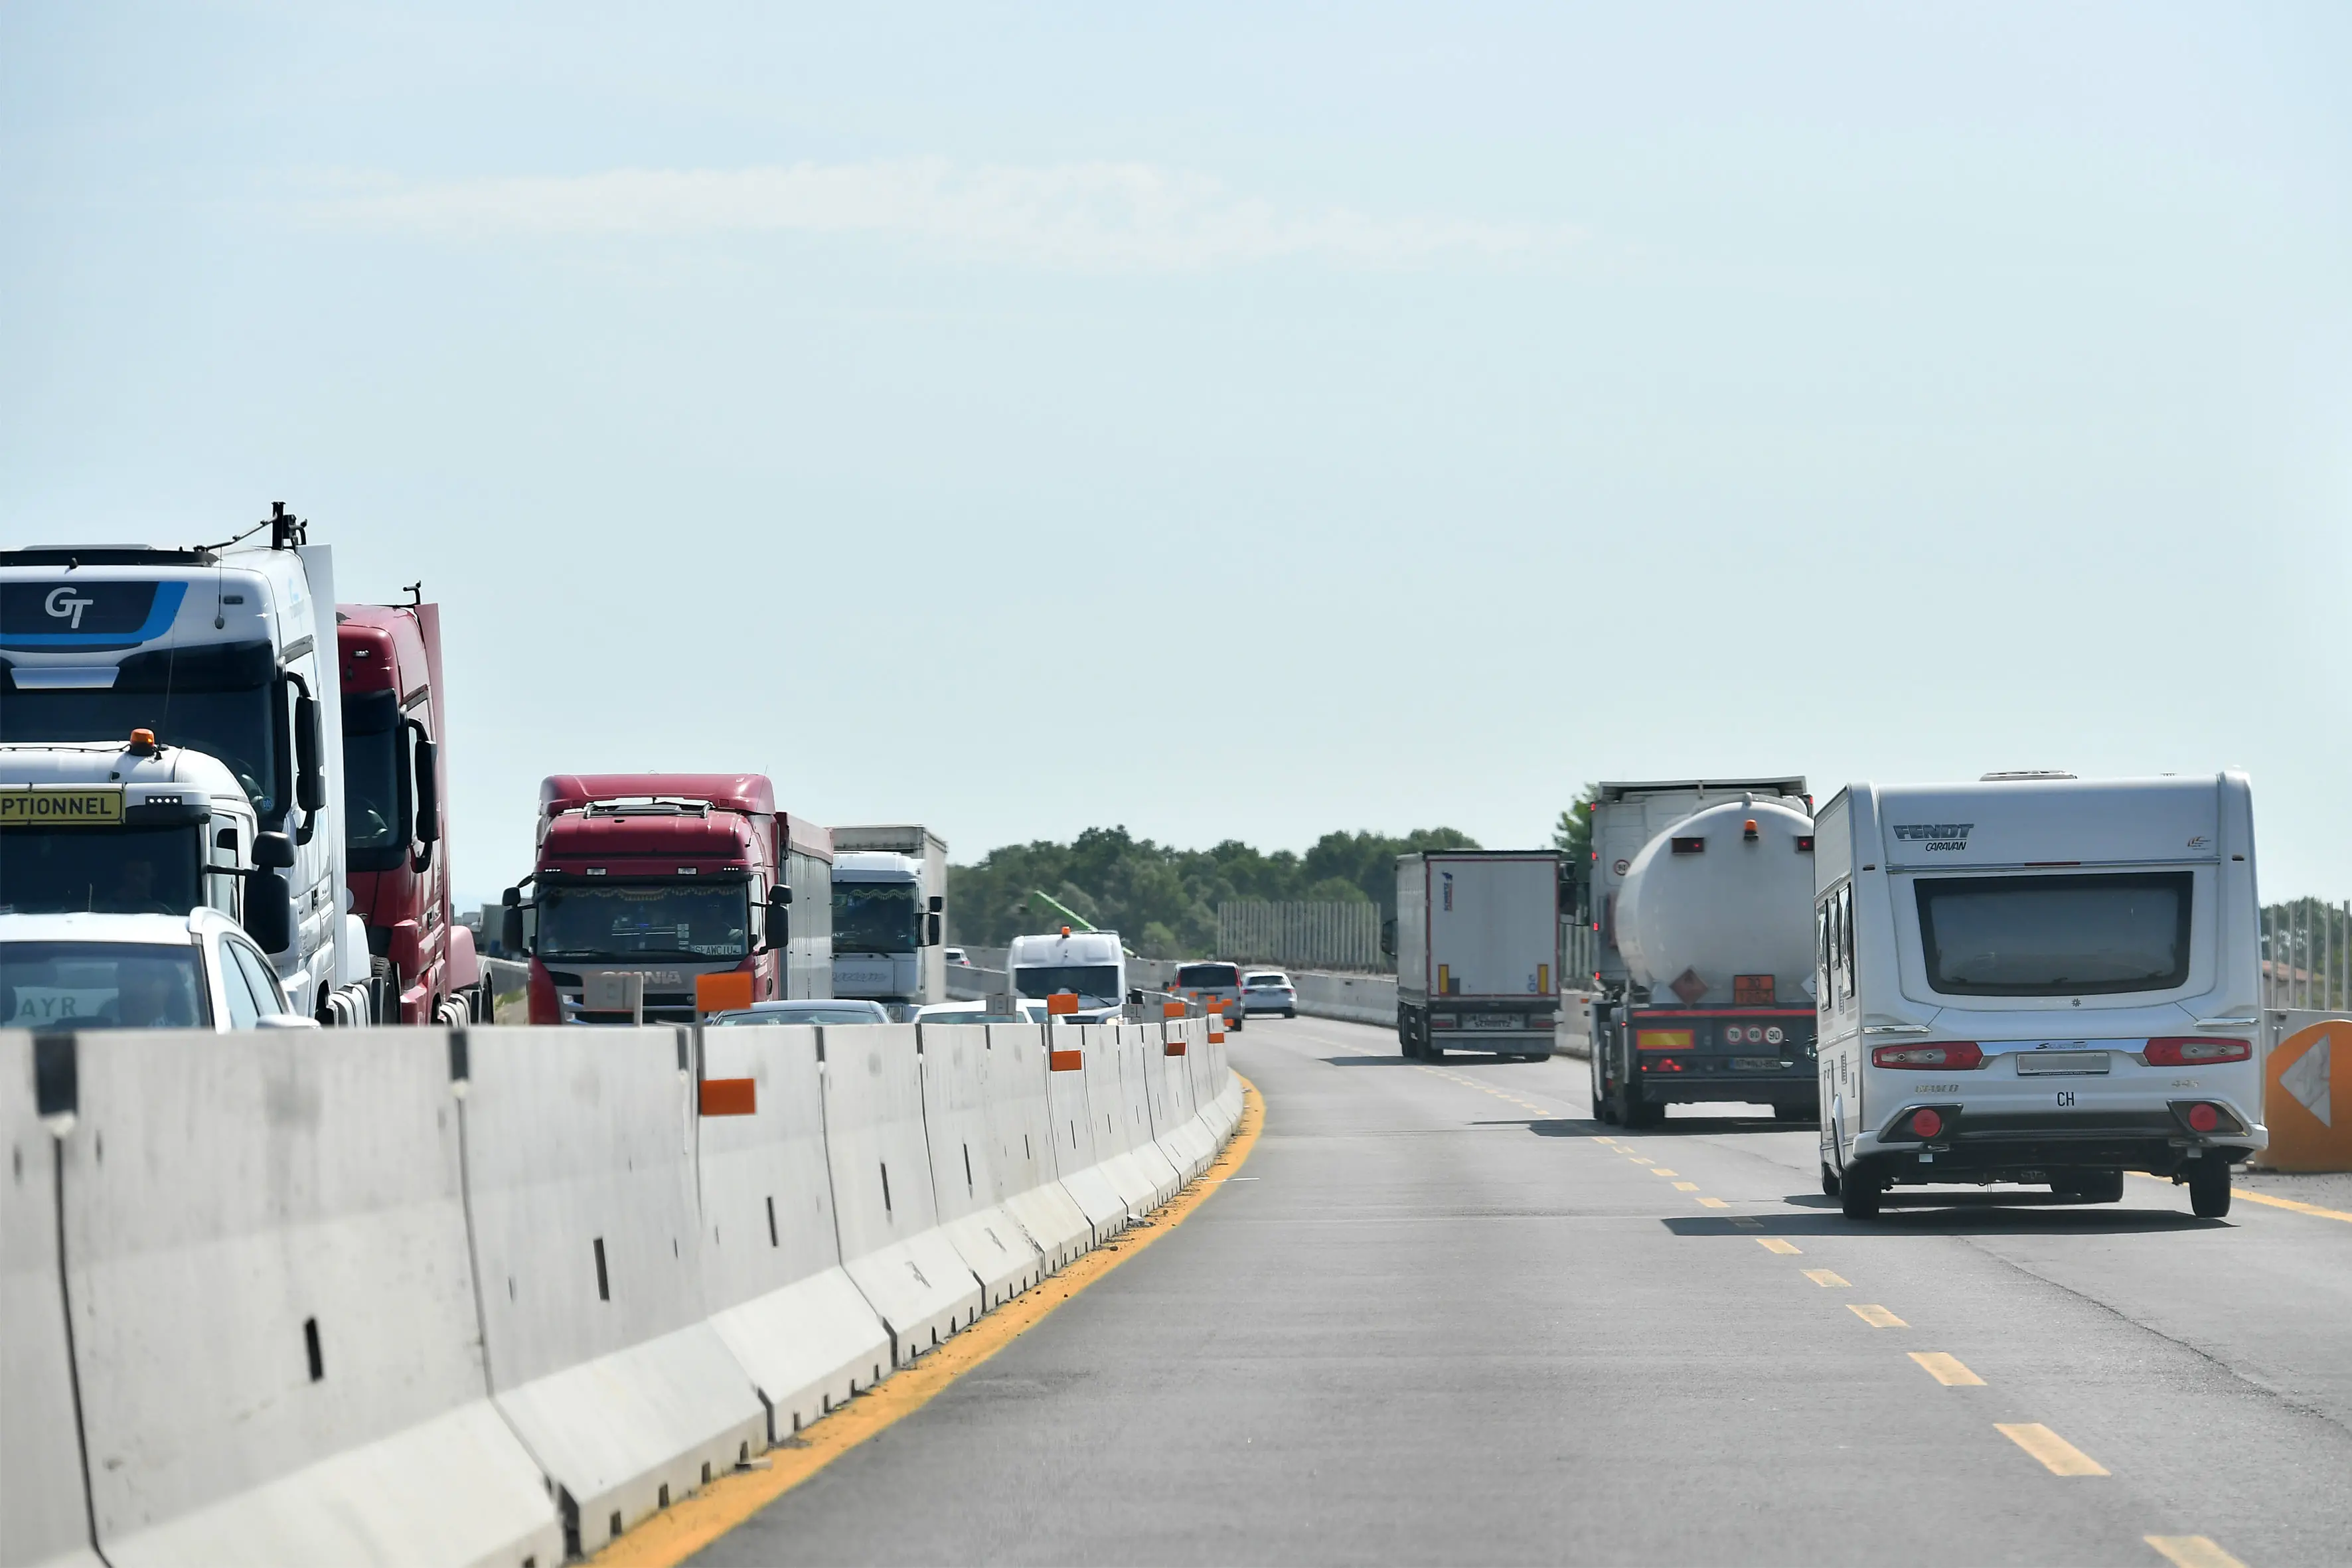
(1445, 1316)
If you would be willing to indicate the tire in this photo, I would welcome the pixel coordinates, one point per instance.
(1431, 1051)
(1811, 1116)
(1829, 1183)
(2209, 1188)
(1290, 1012)
(2092, 1187)
(1635, 1111)
(1858, 1195)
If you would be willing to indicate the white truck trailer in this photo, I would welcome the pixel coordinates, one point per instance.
(889, 915)
(224, 658)
(1476, 943)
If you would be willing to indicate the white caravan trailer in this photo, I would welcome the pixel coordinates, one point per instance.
(2041, 980)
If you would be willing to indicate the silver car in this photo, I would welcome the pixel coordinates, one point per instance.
(1269, 991)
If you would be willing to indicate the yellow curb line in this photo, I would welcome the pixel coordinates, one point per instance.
(686, 1527)
(2254, 1197)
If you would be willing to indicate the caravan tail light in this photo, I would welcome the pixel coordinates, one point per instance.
(2182, 1053)
(2203, 1119)
(1958, 1055)
(1927, 1124)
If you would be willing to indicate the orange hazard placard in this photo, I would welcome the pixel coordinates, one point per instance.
(2299, 1089)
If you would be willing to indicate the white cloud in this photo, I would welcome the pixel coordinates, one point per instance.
(1088, 217)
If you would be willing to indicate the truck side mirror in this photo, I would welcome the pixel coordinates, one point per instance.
(1388, 937)
(931, 930)
(511, 930)
(272, 852)
(270, 908)
(309, 779)
(428, 799)
(938, 904)
(779, 919)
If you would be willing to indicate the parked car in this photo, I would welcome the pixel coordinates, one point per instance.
(1210, 984)
(806, 1010)
(197, 971)
(1269, 991)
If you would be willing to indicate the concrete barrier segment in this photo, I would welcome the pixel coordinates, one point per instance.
(891, 1243)
(1178, 1132)
(1014, 1088)
(1106, 1098)
(771, 1253)
(1136, 1058)
(1077, 1133)
(274, 1308)
(44, 1501)
(964, 1160)
(581, 1185)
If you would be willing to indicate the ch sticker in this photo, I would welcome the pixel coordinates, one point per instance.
(2066, 1097)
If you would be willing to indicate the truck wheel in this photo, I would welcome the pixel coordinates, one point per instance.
(1829, 1183)
(1633, 1111)
(1858, 1194)
(2209, 1187)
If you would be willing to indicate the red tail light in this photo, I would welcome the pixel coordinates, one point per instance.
(1958, 1054)
(2184, 1053)
(2203, 1119)
(1927, 1124)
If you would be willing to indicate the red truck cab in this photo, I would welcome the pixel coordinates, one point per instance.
(395, 832)
(671, 877)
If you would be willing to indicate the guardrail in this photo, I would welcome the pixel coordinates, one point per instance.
(496, 1294)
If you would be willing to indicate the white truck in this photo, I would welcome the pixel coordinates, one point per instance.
(1709, 932)
(1090, 965)
(889, 915)
(201, 686)
(2039, 980)
(1476, 942)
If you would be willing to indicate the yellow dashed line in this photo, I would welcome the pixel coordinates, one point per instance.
(1641, 1158)
(1824, 1276)
(1876, 1317)
(2058, 1456)
(1774, 1244)
(2192, 1550)
(1715, 1203)
(1661, 1171)
(1947, 1370)
(1686, 1186)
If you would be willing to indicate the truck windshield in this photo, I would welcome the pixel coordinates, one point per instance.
(374, 831)
(874, 917)
(644, 919)
(111, 870)
(101, 985)
(219, 701)
(2093, 934)
(1097, 984)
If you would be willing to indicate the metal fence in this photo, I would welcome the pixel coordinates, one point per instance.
(2307, 955)
(1311, 936)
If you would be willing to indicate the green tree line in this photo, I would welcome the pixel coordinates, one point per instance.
(1163, 900)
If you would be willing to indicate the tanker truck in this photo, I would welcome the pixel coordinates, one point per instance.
(1706, 973)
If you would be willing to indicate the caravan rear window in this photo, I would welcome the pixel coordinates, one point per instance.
(2091, 934)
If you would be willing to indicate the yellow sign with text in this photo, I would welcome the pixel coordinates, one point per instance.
(56, 806)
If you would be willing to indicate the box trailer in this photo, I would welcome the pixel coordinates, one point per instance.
(1477, 941)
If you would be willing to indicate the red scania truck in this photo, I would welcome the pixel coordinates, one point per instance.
(395, 832)
(672, 876)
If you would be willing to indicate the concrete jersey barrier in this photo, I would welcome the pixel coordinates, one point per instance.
(771, 1252)
(1137, 1067)
(1097, 1048)
(881, 1164)
(580, 1184)
(274, 1307)
(1173, 1121)
(1013, 1083)
(963, 1166)
(1079, 1147)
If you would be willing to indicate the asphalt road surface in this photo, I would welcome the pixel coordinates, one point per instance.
(1443, 1315)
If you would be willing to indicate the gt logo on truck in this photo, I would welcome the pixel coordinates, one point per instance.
(1936, 836)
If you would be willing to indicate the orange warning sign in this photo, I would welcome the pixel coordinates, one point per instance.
(2299, 1098)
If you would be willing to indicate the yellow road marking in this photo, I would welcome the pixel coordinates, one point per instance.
(1876, 1317)
(2058, 1456)
(685, 1527)
(2192, 1550)
(1774, 1244)
(1715, 1203)
(1641, 1158)
(1686, 1186)
(1824, 1276)
(1661, 1171)
(1947, 1370)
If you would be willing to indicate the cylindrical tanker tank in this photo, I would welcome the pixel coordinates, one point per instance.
(1725, 893)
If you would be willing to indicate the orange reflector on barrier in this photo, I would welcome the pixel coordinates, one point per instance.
(1175, 1047)
(1065, 1061)
(722, 993)
(1067, 1002)
(1171, 1009)
(730, 1097)
(1215, 1035)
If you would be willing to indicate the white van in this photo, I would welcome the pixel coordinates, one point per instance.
(2041, 980)
(1090, 963)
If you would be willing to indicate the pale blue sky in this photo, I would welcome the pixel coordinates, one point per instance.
(1236, 421)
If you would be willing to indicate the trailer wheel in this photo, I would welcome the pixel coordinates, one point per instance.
(2209, 1188)
(1829, 1182)
(1633, 1111)
(1858, 1194)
